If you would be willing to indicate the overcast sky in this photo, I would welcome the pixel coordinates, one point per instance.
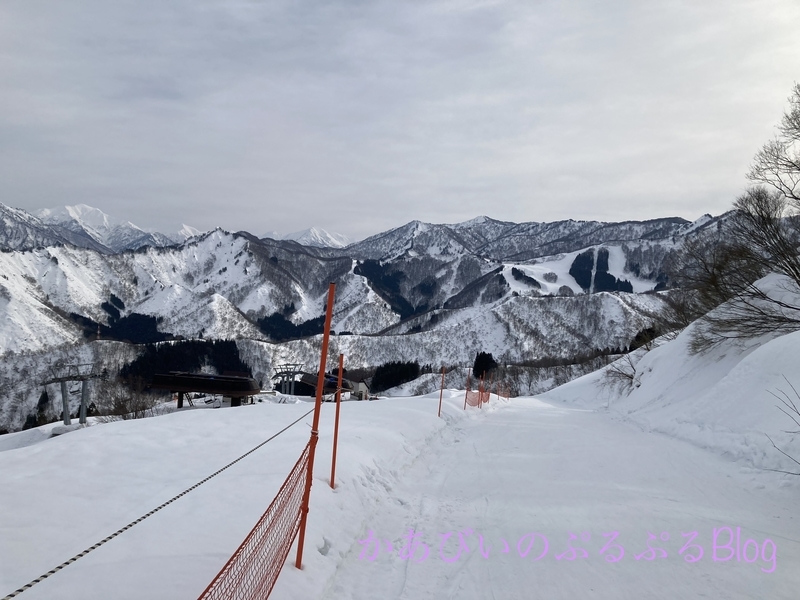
(359, 116)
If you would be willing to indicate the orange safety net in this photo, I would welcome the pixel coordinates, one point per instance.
(254, 568)
(476, 398)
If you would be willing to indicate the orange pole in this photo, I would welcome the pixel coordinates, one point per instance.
(441, 393)
(480, 392)
(336, 421)
(467, 394)
(315, 427)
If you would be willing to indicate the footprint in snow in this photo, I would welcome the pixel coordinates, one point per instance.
(326, 546)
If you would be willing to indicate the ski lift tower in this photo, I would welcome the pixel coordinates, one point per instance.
(286, 374)
(79, 372)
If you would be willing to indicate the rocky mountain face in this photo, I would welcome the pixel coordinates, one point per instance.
(433, 293)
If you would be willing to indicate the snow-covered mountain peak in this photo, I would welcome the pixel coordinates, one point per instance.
(698, 223)
(319, 238)
(20, 230)
(420, 227)
(476, 221)
(86, 215)
(185, 232)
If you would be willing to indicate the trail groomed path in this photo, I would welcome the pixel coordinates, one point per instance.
(533, 468)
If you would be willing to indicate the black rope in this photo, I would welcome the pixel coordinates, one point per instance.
(143, 517)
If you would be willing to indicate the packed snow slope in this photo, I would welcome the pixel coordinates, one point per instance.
(574, 495)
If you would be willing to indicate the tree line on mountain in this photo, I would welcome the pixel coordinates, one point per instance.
(520, 275)
(188, 355)
(135, 328)
(490, 287)
(394, 373)
(583, 265)
(485, 363)
(385, 280)
(279, 328)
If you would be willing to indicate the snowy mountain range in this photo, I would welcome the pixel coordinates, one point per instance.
(505, 241)
(433, 293)
(114, 234)
(20, 230)
(81, 226)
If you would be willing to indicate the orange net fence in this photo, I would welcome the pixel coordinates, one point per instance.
(476, 398)
(254, 568)
(484, 394)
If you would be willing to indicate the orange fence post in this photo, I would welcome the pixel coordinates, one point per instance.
(441, 393)
(315, 427)
(336, 420)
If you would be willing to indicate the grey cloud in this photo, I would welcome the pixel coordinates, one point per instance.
(359, 116)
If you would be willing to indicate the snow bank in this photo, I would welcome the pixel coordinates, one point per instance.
(720, 400)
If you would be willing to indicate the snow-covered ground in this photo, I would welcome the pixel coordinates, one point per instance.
(505, 472)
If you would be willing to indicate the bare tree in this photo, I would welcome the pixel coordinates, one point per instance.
(790, 409)
(777, 164)
(116, 401)
(761, 236)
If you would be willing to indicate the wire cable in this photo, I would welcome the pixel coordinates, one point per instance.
(149, 514)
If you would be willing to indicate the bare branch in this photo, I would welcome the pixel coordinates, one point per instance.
(786, 455)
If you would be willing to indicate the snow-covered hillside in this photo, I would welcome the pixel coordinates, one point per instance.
(215, 276)
(513, 330)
